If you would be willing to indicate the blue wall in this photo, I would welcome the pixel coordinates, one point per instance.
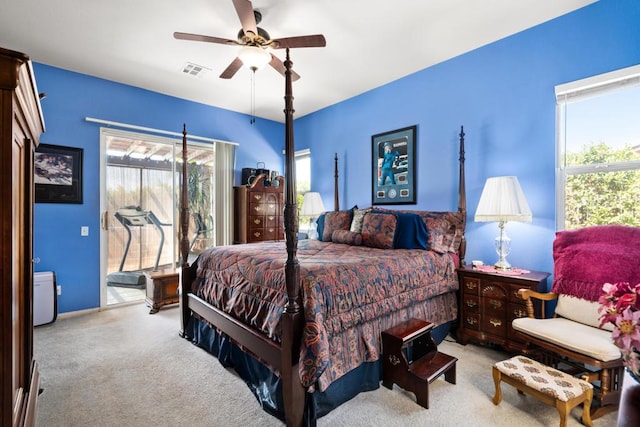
(70, 98)
(503, 94)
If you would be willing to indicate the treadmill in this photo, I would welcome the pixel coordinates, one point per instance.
(135, 216)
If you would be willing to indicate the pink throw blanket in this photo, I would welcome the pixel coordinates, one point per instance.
(586, 258)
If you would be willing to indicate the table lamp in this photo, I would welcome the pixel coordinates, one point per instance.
(503, 200)
(312, 207)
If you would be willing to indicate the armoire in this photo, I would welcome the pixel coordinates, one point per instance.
(21, 124)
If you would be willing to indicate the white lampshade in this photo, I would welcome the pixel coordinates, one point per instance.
(502, 199)
(312, 204)
(254, 57)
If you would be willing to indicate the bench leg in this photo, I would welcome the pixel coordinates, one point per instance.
(563, 410)
(586, 409)
(497, 398)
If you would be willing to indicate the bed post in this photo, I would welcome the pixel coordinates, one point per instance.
(185, 271)
(462, 197)
(292, 389)
(336, 199)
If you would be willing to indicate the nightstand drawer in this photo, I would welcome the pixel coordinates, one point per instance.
(516, 311)
(495, 325)
(513, 293)
(471, 303)
(471, 285)
(471, 321)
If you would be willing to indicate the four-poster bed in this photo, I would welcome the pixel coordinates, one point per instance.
(302, 327)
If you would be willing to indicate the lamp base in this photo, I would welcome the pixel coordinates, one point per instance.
(502, 264)
(503, 248)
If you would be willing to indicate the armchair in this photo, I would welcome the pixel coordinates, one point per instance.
(572, 340)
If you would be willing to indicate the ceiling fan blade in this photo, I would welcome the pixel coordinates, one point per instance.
(316, 40)
(279, 67)
(201, 38)
(244, 9)
(232, 69)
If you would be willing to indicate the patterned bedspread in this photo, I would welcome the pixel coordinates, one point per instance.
(350, 294)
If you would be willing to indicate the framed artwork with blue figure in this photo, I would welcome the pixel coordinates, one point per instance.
(393, 169)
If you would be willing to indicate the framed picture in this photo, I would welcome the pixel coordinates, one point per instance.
(58, 174)
(393, 156)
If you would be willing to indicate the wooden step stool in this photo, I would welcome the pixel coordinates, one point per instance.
(412, 360)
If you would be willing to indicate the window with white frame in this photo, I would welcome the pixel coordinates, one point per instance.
(303, 183)
(598, 150)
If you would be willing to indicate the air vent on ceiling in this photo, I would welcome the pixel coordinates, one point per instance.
(194, 69)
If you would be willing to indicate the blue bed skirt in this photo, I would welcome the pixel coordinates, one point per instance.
(266, 386)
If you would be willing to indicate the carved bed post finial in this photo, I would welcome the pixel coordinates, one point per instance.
(336, 199)
(462, 196)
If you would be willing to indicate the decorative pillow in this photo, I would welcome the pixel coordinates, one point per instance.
(333, 221)
(379, 230)
(444, 229)
(411, 232)
(347, 237)
(358, 216)
(320, 225)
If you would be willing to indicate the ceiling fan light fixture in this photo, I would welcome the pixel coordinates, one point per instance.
(254, 57)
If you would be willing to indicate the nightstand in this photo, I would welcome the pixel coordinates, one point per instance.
(489, 302)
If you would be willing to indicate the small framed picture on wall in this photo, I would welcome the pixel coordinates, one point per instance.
(393, 156)
(58, 174)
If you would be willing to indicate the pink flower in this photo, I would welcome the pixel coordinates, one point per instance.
(626, 334)
(620, 306)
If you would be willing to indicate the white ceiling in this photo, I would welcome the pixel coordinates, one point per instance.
(369, 42)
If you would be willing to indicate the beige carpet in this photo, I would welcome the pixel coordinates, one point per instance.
(123, 367)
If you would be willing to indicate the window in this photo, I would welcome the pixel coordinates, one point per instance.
(303, 183)
(598, 150)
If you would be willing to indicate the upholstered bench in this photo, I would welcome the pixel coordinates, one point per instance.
(545, 383)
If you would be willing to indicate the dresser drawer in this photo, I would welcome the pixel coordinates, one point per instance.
(516, 311)
(494, 324)
(471, 286)
(513, 294)
(471, 321)
(471, 303)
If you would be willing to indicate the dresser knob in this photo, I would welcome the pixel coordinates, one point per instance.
(472, 320)
(496, 322)
(471, 303)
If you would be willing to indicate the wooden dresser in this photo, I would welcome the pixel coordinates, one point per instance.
(259, 211)
(21, 124)
(489, 302)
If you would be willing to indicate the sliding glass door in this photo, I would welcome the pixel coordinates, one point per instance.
(140, 212)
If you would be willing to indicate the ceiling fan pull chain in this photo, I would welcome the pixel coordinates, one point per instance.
(253, 96)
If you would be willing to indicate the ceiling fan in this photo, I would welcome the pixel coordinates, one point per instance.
(254, 42)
